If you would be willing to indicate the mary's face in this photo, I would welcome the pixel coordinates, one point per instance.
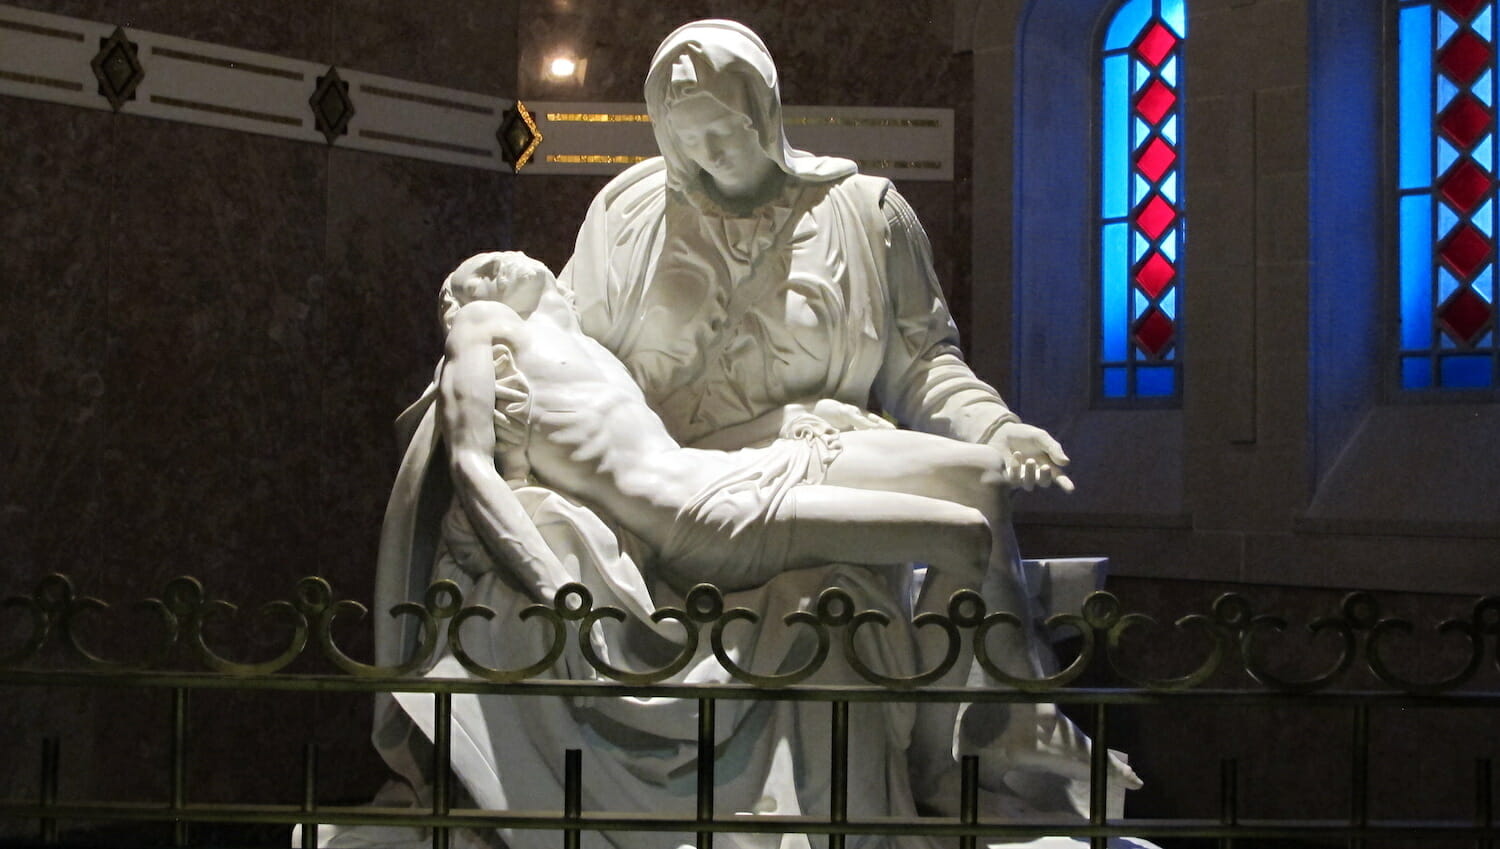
(721, 142)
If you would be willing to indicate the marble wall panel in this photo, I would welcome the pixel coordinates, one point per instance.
(454, 43)
(842, 53)
(210, 408)
(53, 283)
(291, 28)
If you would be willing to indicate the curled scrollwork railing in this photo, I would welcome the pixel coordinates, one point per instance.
(1236, 645)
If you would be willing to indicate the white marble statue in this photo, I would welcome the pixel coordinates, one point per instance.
(746, 300)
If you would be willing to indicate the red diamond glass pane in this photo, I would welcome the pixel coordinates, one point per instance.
(1153, 333)
(1155, 159)
(1157, 100)
(1155, 217)
(1465, 57)
(1465, 251)
(1465, 121)
(1465, 316)
(1156, 44)
(1465, 185)
(1155, 274)
(1462, 9)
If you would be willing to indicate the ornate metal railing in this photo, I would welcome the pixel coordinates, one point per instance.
(1237, 647)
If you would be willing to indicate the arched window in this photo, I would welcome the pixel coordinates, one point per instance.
(1446, 195)
(1141, 219)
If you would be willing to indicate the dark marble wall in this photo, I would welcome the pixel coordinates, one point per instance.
(206, 337)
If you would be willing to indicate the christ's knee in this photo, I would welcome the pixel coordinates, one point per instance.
(965, 540)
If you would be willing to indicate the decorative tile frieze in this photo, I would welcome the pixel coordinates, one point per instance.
(103, 66)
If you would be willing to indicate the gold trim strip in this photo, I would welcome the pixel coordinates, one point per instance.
(380, 91)
(37, 30)
(595, 158)
(892, 164)
(377, 135)
(226, 110)
(598, 118)
(835, 121)
(66, 85)
(215, 61)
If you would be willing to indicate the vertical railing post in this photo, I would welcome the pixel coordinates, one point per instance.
(50, 753)
(179, 765)
(1484, 800)
(442, 764)
(1359, 774)
(310, 795)
(968, 798)
(705, 771)
(1229, 798)
(1099, 776)
(572, 797)
(838, 773)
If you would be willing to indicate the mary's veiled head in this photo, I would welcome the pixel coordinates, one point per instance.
(725, 62)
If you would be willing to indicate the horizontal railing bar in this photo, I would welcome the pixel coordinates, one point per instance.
(794, 693)
(756, 823)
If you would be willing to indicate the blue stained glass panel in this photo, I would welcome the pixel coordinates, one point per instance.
(1447, 218)
(1481, 284)
(1416, 97)
(1470, 371)
(1169, 130)
(1142, 188)
(1142, 132)
(1174, 13)
(1416, 272)
(1115, 167)
(1484, 219)
(1446, 91)
(1114, 382)
(1169, 244)
(1168, 303)
(1139, 75)
(1113, 321)
(1446, 156)
(1139, 302)
(1416, 373)
(1142, 244)
(1155, 381)
(1128, 21)
(1447, 283)
(1483, 21)
(1169, 186)
(1485, 88)
(1485, 152)
(1446, 26)
(1169, 72)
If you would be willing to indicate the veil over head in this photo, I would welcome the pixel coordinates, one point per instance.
(727, 61)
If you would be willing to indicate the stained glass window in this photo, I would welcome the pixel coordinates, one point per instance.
(1446, 207)
(1141, 218)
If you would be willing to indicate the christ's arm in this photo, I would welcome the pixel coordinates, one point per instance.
(466, 404)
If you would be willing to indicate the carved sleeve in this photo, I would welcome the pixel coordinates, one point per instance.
(923, 380)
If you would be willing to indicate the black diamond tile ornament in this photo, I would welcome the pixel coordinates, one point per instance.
(518, 135)
(331, 105)
(117, 68)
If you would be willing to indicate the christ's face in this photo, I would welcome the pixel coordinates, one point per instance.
(513, 279)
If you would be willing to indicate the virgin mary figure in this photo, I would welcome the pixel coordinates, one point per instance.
(733, 275)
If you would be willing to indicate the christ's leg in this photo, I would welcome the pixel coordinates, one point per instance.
(972, 476)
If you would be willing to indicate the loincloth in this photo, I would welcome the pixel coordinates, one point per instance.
(726, 534)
